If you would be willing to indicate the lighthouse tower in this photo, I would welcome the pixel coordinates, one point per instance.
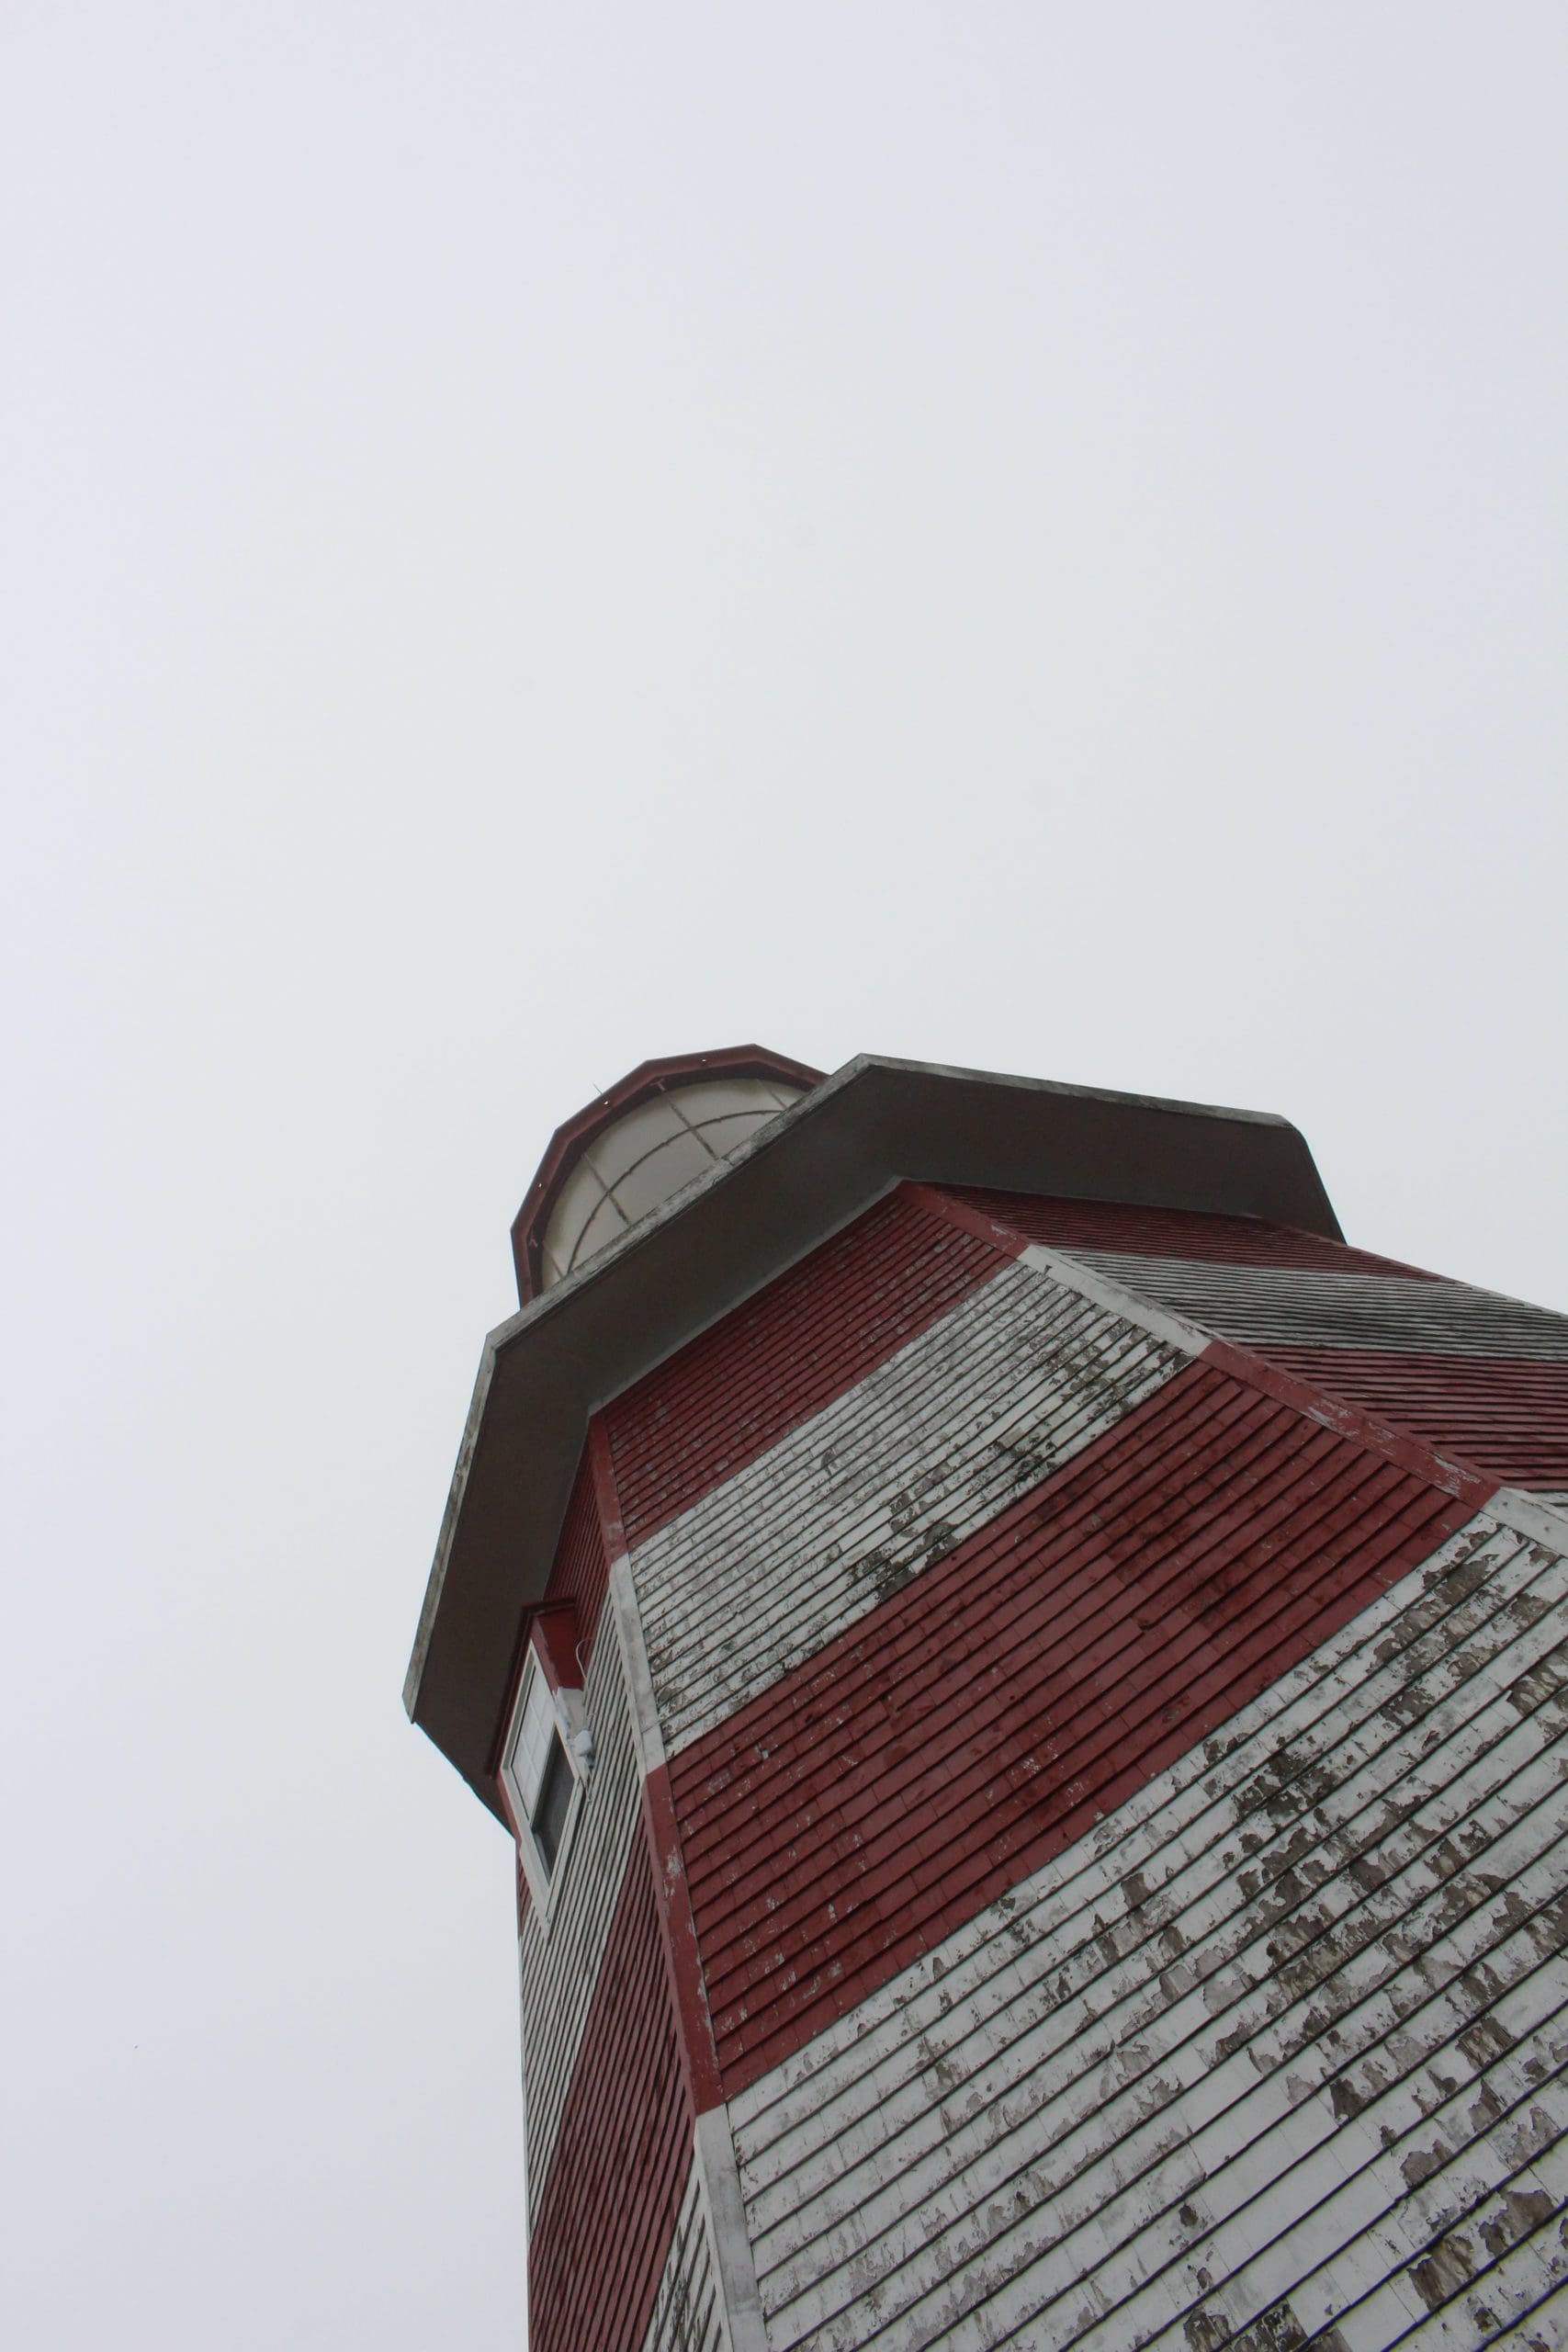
(1027, 1683)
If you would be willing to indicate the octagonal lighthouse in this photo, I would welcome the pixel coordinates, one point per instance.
(1026, 1680)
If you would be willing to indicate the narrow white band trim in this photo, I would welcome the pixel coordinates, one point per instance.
(646, 1737)
(1529, 1515)
(1130, 1305)
(713, 2155)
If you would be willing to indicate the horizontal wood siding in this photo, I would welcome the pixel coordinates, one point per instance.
(686, 2314)
(1175, 1233)
(849, 1505)
(560, 1962)
(981, 1718)
(1474, 1373)
(1268, 1307)
(582, 1566)
(603, 2225)
(735, 1391)
(1510, 1417)
(1271, 2055)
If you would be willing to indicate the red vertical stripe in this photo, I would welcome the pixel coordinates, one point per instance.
(612, 2194)
(579, 1576)
(1175, 1232)
(1502, 1411)
(581, 1565)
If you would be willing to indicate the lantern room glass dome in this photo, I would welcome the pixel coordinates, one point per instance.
(635, 1163)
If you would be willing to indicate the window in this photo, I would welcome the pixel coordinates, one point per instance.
(545, 1764)
(540, 1774)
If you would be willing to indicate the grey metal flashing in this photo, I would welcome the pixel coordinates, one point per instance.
(806, 1174)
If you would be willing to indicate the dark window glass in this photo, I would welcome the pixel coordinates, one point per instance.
(555, 1795)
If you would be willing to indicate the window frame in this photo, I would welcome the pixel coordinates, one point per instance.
(568, 1722)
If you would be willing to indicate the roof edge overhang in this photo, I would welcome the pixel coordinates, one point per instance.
(818, 1165)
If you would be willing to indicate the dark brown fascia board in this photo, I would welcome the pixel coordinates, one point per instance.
(808, 1172)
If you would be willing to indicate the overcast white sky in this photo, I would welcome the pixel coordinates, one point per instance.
(1024, 535)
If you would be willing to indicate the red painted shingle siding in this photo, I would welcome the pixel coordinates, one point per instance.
(983, 1718)
(581, 1568)
(1507, 1415)
(610, 2204)
(812, 1334)
(1175, 1232)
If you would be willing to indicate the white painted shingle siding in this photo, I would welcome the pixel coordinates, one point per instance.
(1284, 1306)
(760, 1573)
(1546, 2329)
(1282, 2042)
(560, 1964)
(687, 2315)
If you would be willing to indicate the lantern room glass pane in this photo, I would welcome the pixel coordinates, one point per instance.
(534, 1737)
(555, 1798)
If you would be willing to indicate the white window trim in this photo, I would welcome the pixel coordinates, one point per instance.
(571, 1722)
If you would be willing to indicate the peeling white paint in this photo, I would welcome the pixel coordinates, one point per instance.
(1273, 2033)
